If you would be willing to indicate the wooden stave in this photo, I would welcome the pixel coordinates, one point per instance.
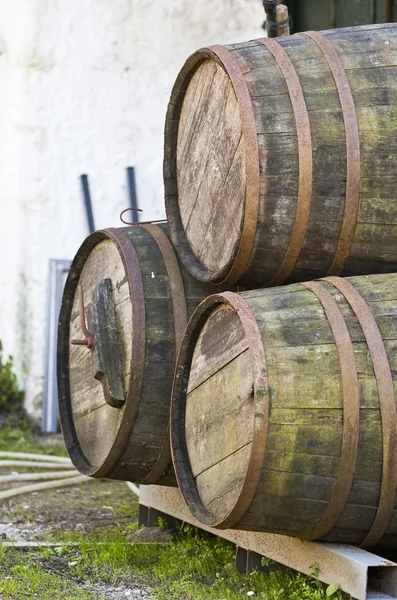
(262, 268)
(128, 460)
(339, 531)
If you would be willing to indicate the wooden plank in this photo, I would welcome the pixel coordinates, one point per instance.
(221, 340)
(210, 165)
(322, 465)
(219, 414)
(96, 431)
(219, 486)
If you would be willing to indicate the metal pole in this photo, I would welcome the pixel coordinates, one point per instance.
(270, 10)
(87, 202)
(132, 193)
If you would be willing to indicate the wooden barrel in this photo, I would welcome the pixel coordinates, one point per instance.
(284, 417)
(280, 158)
(114, 398)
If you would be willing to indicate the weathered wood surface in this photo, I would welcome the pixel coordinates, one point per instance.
(210, 164)
(369, 59)
(97, 424)
(305, 420)
(217, 433)
(152, 299)
(107, 345)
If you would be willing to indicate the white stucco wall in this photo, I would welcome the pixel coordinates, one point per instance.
(84, 86)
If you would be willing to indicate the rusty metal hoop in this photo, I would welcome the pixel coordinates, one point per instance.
(353, 167)
(351, 412)
(387, 406)
(180, 321)
(305, 155)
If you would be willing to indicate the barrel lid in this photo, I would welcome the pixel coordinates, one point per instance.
(219, 420)
(99, 394)
(211, 167)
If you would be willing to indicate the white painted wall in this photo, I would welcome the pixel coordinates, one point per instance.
(84, 86)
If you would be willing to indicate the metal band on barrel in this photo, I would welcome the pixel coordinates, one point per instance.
(387, 406)
(137, 363)
(305, 155)
(246, 246)
(353, 168)
(351, 412)
(180, 321)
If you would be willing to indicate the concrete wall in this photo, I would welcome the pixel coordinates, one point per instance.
(84, 86)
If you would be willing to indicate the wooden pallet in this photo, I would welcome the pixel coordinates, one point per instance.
(362, 574)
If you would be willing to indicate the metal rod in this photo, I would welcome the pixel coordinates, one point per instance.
(134, 221)
(87, 202)
(89, 339)
(270, 10)
(132, 193)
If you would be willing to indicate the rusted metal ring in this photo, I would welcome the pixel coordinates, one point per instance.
(248, 233)
(131, 264)
(353, 167)
(180, 321)
(351, 412)
(182, 466)
(387, 406)
(239, 259)
(305, 154)
(137, 364)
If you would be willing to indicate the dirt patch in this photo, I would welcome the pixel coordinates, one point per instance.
(97, 504)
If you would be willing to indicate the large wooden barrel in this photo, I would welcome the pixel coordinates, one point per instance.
(284, 411)
(280, 158)
(114, 398)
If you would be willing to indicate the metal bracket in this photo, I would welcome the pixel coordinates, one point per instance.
(107, 367)
(89, 339)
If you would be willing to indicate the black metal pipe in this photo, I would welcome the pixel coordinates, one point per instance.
(132, 193)
(87, 202)
(270, 10)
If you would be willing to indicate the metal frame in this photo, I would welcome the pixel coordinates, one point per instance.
(58, 272)
(362, 574)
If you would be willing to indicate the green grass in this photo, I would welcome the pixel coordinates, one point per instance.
(23, 440)
(23, 576)
(196, 566)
